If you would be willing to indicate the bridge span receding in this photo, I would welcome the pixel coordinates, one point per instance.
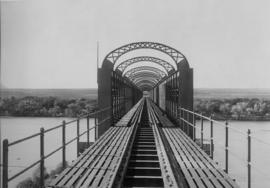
(144, 129)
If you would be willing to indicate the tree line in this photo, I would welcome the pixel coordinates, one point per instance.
(32, 106)
(235, 109)
(45, 106)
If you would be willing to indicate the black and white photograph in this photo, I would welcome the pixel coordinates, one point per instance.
(134, 94)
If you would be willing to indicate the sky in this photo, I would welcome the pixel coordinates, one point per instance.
(53, 43)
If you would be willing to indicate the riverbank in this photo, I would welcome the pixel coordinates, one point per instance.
(240, 109)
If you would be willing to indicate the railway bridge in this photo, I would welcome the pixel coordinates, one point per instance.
(145, 127)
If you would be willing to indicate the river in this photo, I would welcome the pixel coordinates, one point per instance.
(23, 154)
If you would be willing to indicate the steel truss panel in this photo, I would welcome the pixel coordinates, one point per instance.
(173, 53)
(145, 68)
(166, 65)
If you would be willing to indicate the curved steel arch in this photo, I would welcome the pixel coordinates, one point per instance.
(142, 79)
(122, 66)
(114, 55)
(148, 75)
(145, 68)
(145, 88)
(137, 70)
(145, 82)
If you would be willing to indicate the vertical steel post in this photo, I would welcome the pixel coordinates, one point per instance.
(201, 131)
(180, 116)
(88, 134)
(64, 144)
(188, 126)
(249, 159)
(194, 126)
(185, 118)
(78, 137)
(41, 181)
(96, 128)
(226, 147)
(5, 163)
(211, 139)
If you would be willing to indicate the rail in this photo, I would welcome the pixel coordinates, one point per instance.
(190, 120)
(96, 115)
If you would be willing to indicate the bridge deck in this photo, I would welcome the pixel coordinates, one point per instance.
(106, 159)
(97, 166)
(198, 168)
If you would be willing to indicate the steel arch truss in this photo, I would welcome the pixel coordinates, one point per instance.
(153, 82)
(137, 81)
(145, 82)
(145, 75)
(173, 53)
(145, 69)
(167, 66)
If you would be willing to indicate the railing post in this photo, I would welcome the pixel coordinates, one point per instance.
(5, 163)
(211, 138)
(41, 181)
(188, 126)
(226, 147)
(180, 117)
(88, 137)
(95, 127)
(64, 144)
(249, 159)
(201, 131)
(194, 127)
(78, 137)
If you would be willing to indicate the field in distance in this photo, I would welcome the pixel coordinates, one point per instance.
(59, 93)
(92, 93)
(231, 93)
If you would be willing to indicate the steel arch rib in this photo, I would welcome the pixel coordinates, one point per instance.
(145, 68)
(141, 75)
(114, 55)
(142, 79)
(166, 65)
(145, 82)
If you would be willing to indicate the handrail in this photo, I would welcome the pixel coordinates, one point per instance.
(42, 132)
(185, 120)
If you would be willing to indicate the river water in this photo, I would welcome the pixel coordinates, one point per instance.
(24, 154)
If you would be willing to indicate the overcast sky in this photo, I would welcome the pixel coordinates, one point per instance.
(52, 44)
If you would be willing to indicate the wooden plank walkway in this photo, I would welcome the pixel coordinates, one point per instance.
(198, 168)
(98, 165)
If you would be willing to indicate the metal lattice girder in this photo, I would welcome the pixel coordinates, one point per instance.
(142, 82)
(154, 79)
(145, 68)
(123, 65)
(143, 74)
(147, 78)
(145, 84)
(173, 53)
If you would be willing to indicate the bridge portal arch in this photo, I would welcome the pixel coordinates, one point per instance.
(121, 84)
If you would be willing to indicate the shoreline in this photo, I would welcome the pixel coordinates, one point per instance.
(214, 118)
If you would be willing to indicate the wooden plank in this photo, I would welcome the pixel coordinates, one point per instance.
(211, 165)
(109, 177)
(184, 169)
(202, 164)
(91, 163)
(79, 161)
(80, 168)
(111, 162)
(104, 162)
(205, 166)
(189, 164)
(194, 160)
